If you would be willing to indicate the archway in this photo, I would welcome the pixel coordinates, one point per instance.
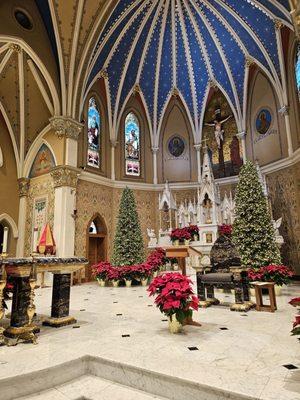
(96, 245)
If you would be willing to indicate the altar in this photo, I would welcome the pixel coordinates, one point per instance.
(22, 275)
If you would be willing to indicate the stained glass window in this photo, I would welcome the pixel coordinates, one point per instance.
(94, 130)
(298, 70)
(132, 145)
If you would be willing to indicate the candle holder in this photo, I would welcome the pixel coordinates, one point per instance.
(3, 280)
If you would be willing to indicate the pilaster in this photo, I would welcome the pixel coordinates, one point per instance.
(155, 150)
(242, 139)
(198, 147)
(24, 185)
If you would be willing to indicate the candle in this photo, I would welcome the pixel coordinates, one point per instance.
(5, 240)
(35, 240)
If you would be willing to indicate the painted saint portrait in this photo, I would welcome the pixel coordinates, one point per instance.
(43, 162)
(176, 146)
(263, 121)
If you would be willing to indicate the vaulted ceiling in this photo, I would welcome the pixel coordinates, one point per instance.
(157, 47)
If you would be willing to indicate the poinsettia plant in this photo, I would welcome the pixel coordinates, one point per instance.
(280, 274)
(180, 234)
(157, 259)
(113, 274)
(295, 302)
(100, 270)
(174, 295)
(193, 230)
(225, 229)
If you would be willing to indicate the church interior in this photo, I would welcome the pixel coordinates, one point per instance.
(149, 162)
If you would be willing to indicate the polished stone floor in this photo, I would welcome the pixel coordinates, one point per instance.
(236, 353)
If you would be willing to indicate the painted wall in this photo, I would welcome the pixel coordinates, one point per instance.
(271, 146)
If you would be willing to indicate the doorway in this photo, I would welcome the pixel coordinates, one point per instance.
(96, 244)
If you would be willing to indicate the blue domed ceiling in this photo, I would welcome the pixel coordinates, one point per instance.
(158, 46)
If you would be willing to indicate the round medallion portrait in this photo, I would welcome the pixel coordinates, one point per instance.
(263, 121)
(176, 146)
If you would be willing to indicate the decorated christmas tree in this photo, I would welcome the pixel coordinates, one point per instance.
(253, 231)
(128, 243)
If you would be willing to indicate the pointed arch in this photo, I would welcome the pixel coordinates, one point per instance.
(9, 220)
(43, 161)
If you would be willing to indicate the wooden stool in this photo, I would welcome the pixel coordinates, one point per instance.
(260, 306)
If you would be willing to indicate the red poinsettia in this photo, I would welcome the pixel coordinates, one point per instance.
(193, 230)
(157, 259)
(225, 229)
(295, 302)
(180, 234)
(101, 270)
(280, 274)
(174, 295)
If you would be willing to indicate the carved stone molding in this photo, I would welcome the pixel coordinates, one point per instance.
(113, 143)
(249, 62)
(285, 110)
(295, 12)
(198, 146)
(155, 150)
(24, 184)
(65, 176)
(278, 24)
(66, 127)
(241, 135)
(15, 47)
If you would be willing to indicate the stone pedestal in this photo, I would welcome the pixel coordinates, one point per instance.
(60, 302)
(19, 316)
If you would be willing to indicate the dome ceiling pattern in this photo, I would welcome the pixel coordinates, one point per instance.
(183, 47)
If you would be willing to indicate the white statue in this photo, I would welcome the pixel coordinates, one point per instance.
(153, 241)
(278, 238)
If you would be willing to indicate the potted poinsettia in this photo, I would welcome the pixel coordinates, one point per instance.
(126, 273)
(174, 298)
(295, 302)
(157, 259)
(113, 276)
(225, 229)
(194, 231)
(142, 272)
(279, 274)
(100, 271)
(180, 235)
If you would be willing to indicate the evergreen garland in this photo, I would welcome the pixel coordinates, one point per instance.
(128, 243)
(253, 231)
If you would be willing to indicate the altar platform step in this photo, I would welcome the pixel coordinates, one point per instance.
(96, 378)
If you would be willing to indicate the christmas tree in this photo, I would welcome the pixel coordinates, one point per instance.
(253, 231)
(128, 243)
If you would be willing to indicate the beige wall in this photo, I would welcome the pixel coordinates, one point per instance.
(265, 149)
(284, 191)
(9, 194)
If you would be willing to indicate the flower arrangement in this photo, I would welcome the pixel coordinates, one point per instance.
(174, 295)
(280, 274)
(295, 302)
(101, 270)
(180, 234)
(194, 231)
(225, 229)
(104, 271)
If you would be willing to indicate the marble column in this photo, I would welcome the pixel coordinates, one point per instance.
(154, 153)
(285, 112)
(24, 184)
(198, 152)
(242, 139)
(60, 301)
(65, 180)
(113, 144)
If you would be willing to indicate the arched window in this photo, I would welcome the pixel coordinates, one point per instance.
(94, 134)
(132, 145)
(297, 69)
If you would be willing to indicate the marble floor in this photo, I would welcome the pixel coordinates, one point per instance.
(236, 355)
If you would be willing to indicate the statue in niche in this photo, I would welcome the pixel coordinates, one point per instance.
(207, 206)
(219, 132)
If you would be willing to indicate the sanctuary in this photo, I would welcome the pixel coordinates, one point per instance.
(149, 148)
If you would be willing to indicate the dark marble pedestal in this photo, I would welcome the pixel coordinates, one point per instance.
(20, 302)
(60, 302)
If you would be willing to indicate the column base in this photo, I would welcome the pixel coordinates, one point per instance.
(59, 322)
(241, 307)
(14, 335)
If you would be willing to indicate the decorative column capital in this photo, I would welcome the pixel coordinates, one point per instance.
(249, 62)
(66, 127)
(278, 24)
(198, 146)
(24, 184)
(15, 47)
(241, 135)
(285, 110)
(113, 143)
(65, 176)
(155, 150)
